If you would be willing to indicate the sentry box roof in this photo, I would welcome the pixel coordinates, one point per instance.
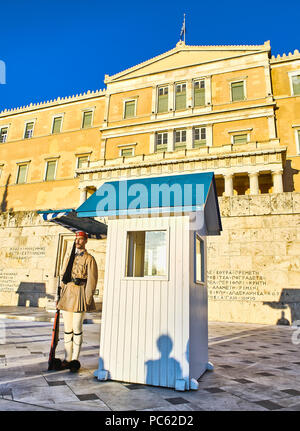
(163, 195)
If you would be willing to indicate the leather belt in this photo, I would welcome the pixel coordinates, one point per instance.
(79, 281)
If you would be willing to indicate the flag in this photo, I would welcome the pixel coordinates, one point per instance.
(182, 32)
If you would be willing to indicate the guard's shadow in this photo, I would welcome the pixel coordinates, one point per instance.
(30, 293)
(164, 371)
(289, 299)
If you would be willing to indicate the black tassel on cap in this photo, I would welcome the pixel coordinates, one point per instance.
(67, 275)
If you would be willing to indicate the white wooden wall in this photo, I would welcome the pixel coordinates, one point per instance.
(137, 311)
(198, 347)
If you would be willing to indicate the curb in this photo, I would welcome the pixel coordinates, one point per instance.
(43, 318)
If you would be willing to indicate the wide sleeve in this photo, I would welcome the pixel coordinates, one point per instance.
(92, 278)
(63, 267)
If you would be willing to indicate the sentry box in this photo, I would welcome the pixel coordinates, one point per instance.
(154, 323)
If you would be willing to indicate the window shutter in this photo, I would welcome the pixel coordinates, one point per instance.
(240, 139)
(57, 125)
(296, 85)
(50, 174)
(87, 119)
(127, 152)
(199, 137)
(22, 174)
(237, 91)
(129, 109)
(162, 103)
(29, 130)
(199, 94)
(82, 160)
(180, 100)
(3, 134)
(161, 142)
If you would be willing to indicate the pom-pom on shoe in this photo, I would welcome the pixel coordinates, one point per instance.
(65, 365)
(74, 366)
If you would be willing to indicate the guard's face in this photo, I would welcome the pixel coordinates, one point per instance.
(80, 242)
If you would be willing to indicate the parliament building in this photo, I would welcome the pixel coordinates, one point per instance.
(231, 110)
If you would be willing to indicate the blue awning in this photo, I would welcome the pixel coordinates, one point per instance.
(183, 193)
(68, 219)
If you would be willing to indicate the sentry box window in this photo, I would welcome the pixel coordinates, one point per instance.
(199, 259)
(146, 254)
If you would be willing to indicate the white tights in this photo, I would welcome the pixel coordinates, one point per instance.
(73, 334)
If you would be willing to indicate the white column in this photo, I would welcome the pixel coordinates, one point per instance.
(152, 143)
(189, 94)
(228, 184)
(102, 148)
(106, 110)
(209, 137)
(254, 185)
(189, 138)
(272, 127)
(83, 195)
(208, 90)
(171, 140)
(268, 81)
(154, 97)
(277, 181)
(171, 101)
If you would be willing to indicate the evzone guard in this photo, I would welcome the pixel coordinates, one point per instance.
(79, 280)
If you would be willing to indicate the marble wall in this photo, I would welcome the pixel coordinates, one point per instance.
(253, 266)
(31, 251)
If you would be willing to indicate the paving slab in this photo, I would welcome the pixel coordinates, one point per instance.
(256, 368)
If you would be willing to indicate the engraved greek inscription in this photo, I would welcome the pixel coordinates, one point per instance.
(238, 285)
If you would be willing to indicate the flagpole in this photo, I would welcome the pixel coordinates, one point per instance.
(184, 27)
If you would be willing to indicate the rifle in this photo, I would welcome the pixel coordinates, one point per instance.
(53, 362)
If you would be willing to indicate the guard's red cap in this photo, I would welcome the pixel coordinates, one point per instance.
(81, 233)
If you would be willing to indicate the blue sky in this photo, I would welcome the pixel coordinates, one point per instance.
(57, 48)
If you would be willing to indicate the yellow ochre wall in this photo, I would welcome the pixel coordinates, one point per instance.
(288, 115)
(71, 142)
(255, 87)
(110, 131)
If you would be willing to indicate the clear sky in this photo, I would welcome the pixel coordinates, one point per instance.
(57, 48)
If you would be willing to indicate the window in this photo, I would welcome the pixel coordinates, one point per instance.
(296, 84)
(237, 91)
(126, 152)
(199, 260)
(129, 109)
(1, 170)
(180, 139)
(81, 160)
(29, 130)
(3, 134)
(162, 105)
(180, 96)
(297, 140)
(146, 254)
(87, 119)
(50, 170)
(161, 141)
(57, 122)
(199, 137)
(240, 139)
(199, 93)
(22, 173)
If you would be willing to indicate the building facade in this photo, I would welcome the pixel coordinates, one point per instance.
(234, 110)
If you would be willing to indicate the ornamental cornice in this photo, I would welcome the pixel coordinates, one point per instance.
(122, 165)
(55, 102)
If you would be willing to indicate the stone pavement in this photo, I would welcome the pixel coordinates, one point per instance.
(257, 368)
